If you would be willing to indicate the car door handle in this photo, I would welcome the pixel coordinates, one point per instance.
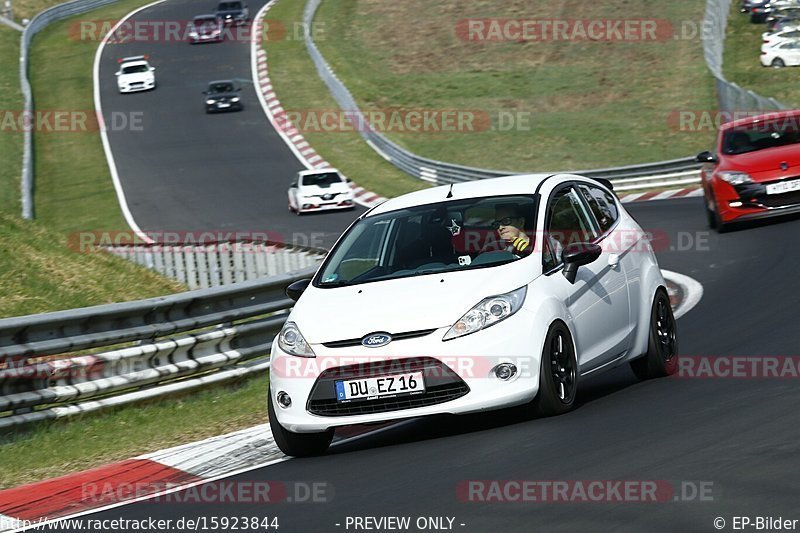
(613, 260)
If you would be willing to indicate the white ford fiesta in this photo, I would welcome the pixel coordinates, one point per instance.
(460, 299)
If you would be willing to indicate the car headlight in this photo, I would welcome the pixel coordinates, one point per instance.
(736, 178)
(210, 101)
(292, 342)
(488, 312)
(193, 34)
(235, 99)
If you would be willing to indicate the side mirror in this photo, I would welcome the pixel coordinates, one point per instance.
(576, 255)
(706, 157)
(295, 290)
(293, 185)
(118, 73)
(205, 92)
(238, 89)
(152, 69)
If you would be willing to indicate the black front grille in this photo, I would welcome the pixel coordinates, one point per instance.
(780, 200)
(755, 195)
(349, 343)
(441, 385)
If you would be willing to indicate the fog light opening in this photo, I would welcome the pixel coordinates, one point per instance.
(505, 371)
(284, 400)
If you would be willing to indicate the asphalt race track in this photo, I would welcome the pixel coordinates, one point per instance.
(188, 171)
(185, 171)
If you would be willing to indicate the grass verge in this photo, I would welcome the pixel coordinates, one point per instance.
(299, 87)
(741, 63)
(10, 140)
(63, 447)
(72, 193)
(588, 104)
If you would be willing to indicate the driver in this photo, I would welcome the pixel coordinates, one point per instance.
(507, 223)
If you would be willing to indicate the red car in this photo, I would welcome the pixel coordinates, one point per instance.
(756, 172)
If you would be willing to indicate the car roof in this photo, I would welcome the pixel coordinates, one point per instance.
(134, 63)
(760, 118)
(519, 184)
(221, 81)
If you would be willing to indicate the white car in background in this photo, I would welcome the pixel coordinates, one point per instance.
(135, 74)
(786, 54)
(772, 39)
(320, 190)
(479, 296)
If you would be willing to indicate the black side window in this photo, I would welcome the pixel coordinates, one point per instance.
(602, 205)
(566, 222)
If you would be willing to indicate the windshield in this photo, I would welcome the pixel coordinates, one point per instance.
(135, 69)
(753, 137)
(428, 239)
(210, 21)
(219, 88)
(323, 180)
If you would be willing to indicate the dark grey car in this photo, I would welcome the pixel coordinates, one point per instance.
(222, 95)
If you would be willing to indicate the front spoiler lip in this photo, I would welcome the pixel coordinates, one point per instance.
(768, 212)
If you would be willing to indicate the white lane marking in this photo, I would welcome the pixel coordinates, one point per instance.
(255, 46)
(112, 165)
(258, 67)
(692, 291)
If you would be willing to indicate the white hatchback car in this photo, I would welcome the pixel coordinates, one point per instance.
(782, 54)
(320, 190)
(483, 295)
(135, 74)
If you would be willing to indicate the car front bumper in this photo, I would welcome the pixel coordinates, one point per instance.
(472, 358)
(309, 205)
(216, 108)
(137, 88)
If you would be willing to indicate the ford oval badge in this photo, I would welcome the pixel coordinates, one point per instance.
(376, 340)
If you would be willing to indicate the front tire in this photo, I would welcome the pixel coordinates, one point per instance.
(661, 359)
(297, 444)
(558, 375)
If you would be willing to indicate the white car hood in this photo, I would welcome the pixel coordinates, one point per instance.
(316, 189)
(402, 305)
(138, 76)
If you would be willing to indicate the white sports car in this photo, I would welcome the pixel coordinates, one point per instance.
(320, 190)
(459, 299)
(781, 54)
(135, 74)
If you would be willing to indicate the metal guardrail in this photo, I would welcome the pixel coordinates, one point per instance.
(220, 263)
(37, 24)
(440, 172)
(731, 97)
(136, 350)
